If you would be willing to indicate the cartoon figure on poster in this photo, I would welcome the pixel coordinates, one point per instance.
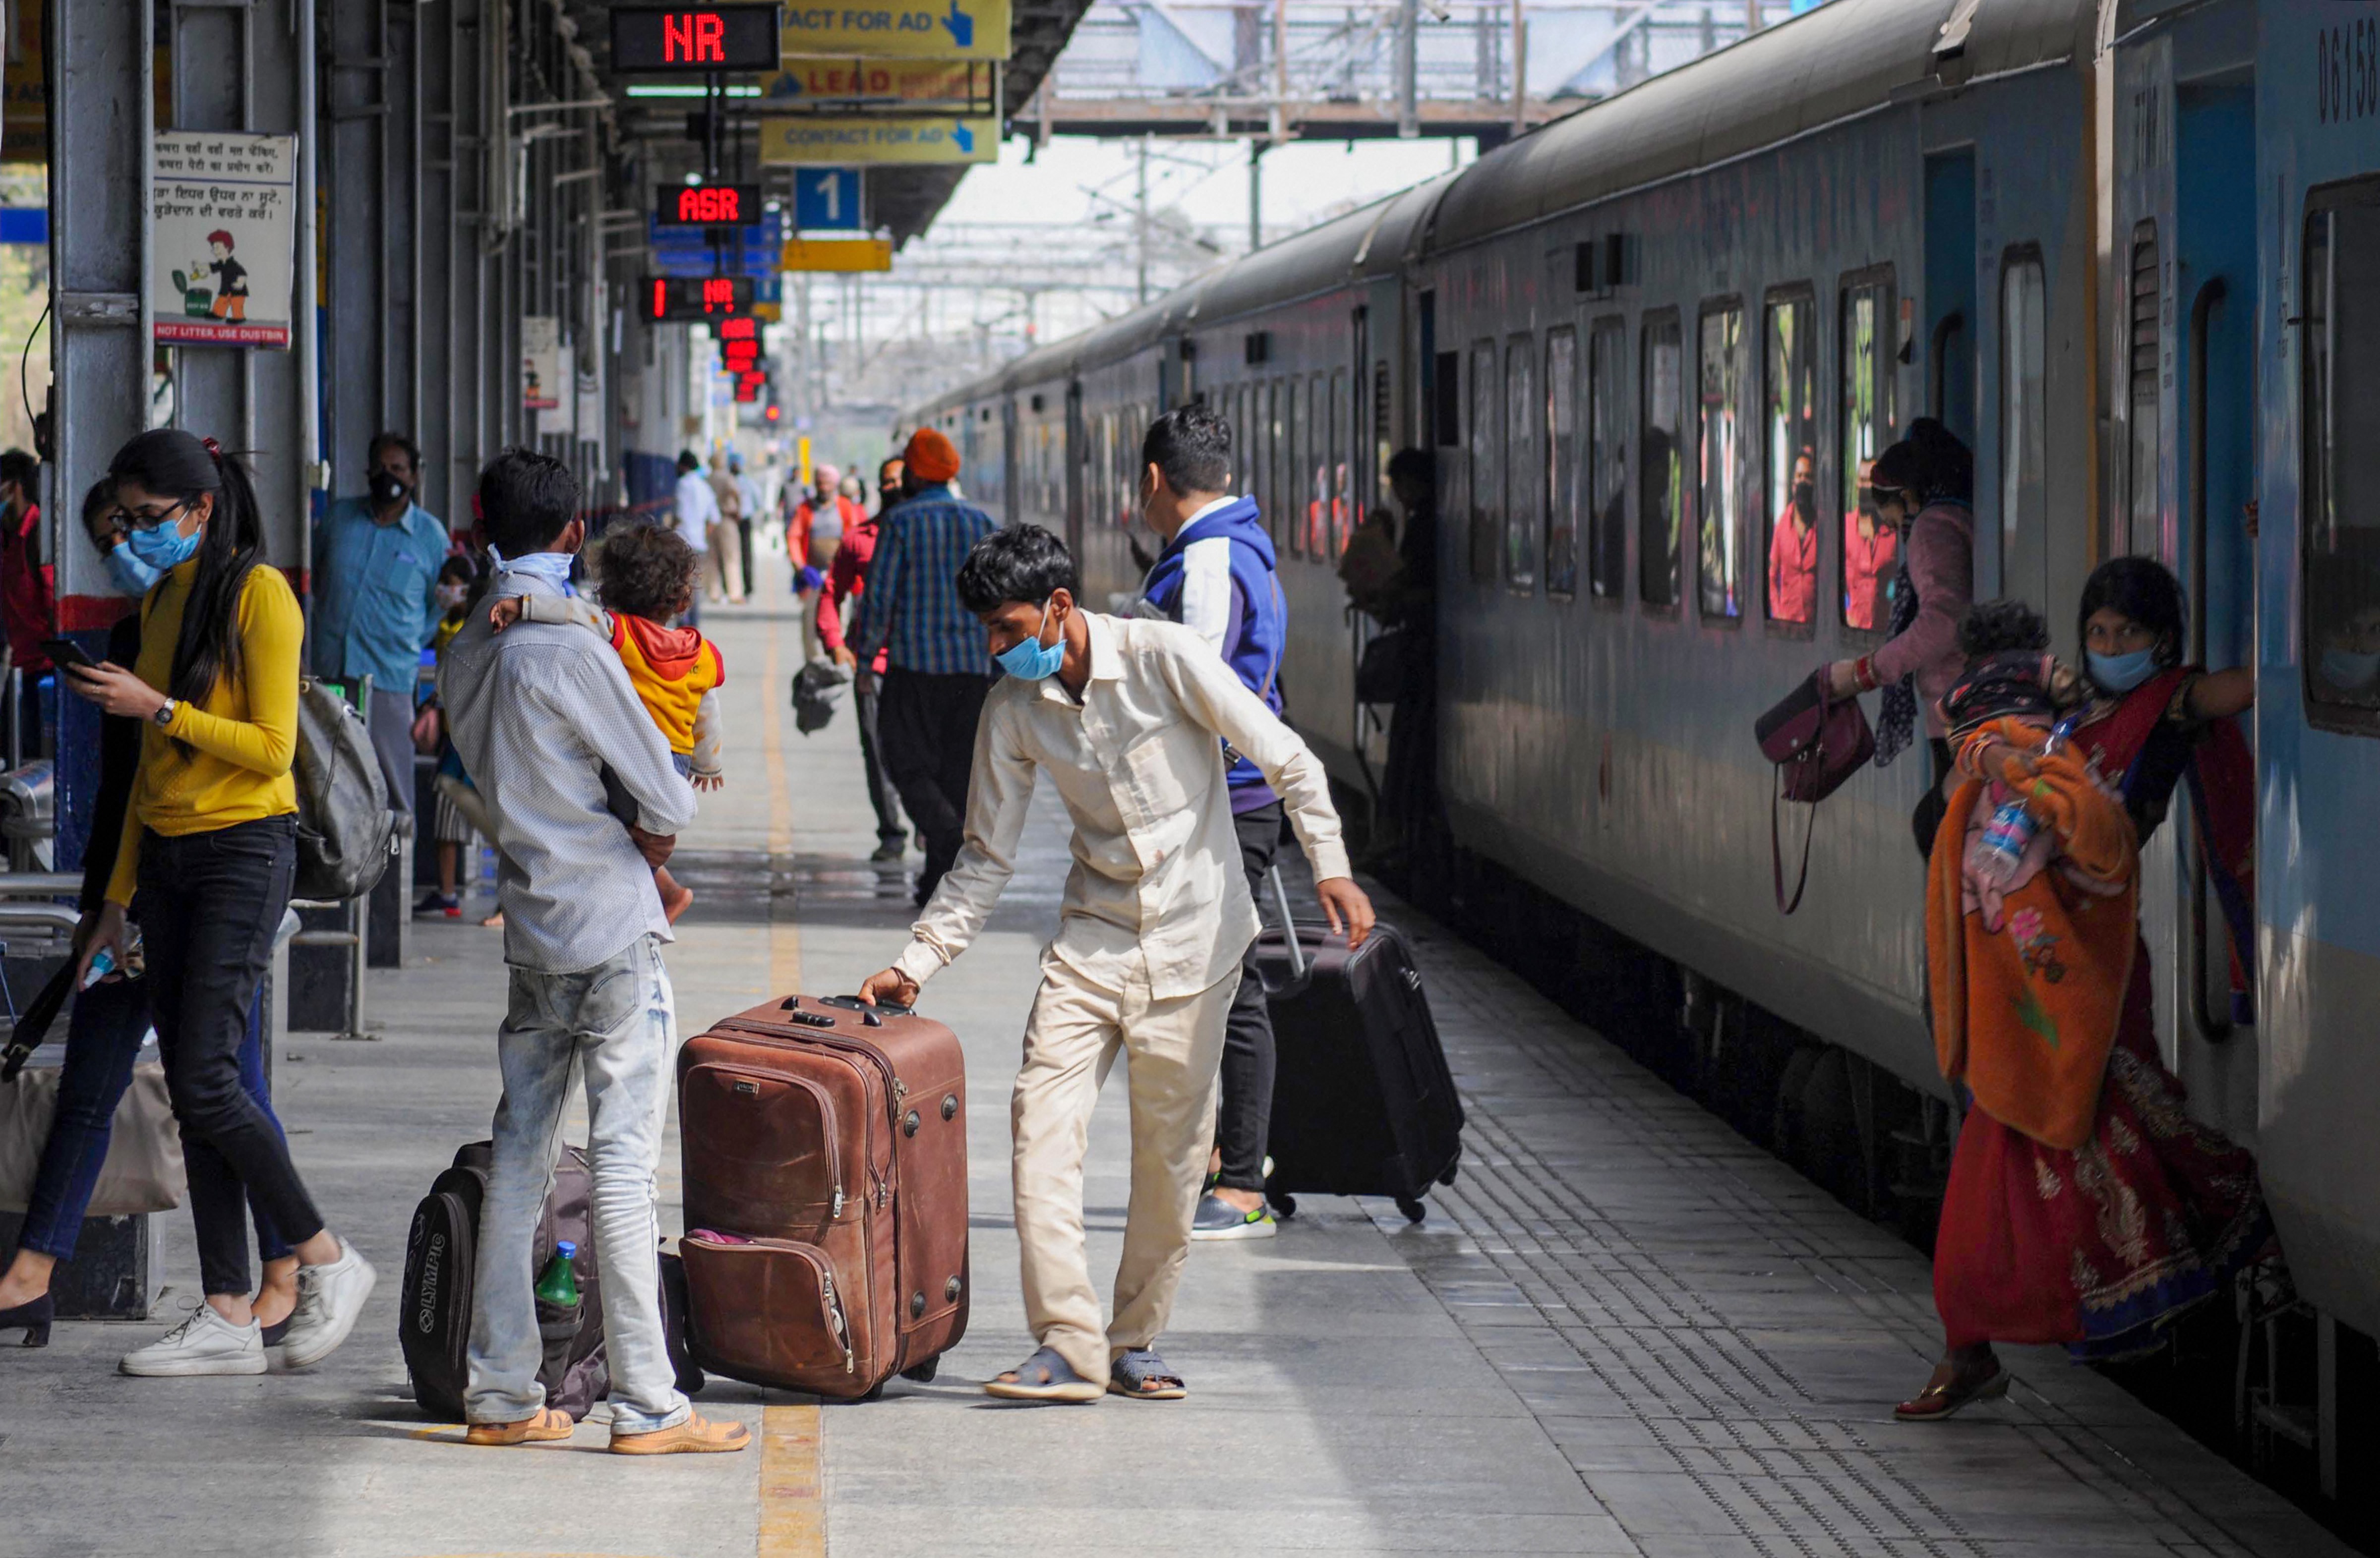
(223, 229)
(230, 300)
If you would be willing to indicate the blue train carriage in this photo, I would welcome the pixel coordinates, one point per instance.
(1302, 347)
(2316, 631)
(1647, 315)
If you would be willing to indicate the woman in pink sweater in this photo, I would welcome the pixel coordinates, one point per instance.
(1930, 476)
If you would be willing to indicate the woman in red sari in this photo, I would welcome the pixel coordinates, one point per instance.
(2085, 1206)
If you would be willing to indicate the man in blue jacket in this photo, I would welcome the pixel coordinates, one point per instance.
(1216, 575)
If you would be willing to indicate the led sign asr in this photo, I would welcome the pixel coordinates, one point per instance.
(670, 298)
(670, 39)
(708, 205)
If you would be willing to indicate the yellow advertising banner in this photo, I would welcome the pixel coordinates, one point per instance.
(898, 28)
(909, 81)
(837, 254)
(846, 140)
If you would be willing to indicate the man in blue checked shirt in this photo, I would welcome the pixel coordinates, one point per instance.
(376, 561)
(936, 673)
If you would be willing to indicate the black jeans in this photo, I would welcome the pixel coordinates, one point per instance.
(880, 785)
(1245, 1118)
(209, 904)
(925, 731)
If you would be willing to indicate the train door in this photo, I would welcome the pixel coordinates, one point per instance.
(2216, 295)
(1950, 298)
(1010, 494)
(1077, 450)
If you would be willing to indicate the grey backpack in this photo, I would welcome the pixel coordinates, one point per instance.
(346, 832)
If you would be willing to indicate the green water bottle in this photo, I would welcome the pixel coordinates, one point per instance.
(558, 1284)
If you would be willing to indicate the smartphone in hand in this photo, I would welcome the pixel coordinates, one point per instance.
(65, 651)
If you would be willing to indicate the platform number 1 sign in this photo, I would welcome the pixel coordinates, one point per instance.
(826, 199)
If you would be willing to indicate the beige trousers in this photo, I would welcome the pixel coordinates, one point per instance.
(724, 561)
(1175, 1048)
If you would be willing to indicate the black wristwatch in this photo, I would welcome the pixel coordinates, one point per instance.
(165, 715)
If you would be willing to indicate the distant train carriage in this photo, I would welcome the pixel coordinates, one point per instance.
(2128, 250)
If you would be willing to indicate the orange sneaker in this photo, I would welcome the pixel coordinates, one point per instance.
(696, 1435)
(549, 1423)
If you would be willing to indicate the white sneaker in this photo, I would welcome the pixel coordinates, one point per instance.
(204, 1344)
(329, 1300)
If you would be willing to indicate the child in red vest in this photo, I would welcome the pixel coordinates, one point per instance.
(644, 575)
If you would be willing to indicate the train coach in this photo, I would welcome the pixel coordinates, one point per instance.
(2128, 249)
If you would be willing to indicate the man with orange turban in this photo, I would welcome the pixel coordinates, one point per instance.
(936, 673)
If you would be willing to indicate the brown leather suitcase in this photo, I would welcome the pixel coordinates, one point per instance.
(824, 1149)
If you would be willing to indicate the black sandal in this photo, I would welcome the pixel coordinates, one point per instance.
(1045, 1376)
(1143, 1376)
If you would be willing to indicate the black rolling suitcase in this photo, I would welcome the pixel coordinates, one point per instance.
(1362, 1101)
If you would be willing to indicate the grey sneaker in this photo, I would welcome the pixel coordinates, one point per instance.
(204, 1344)
(329, 1300)
(1219, 1219)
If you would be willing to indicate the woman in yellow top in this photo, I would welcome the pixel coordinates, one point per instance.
(210, 845)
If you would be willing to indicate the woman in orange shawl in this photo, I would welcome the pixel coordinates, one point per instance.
(2085, 1206)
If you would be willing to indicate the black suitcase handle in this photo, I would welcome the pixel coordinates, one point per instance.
(1288, 922)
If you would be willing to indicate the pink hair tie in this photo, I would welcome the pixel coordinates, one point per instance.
(213, 449)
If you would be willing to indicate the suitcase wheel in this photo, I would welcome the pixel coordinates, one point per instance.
(1282, 1206)
(1452, 1169)
(924, 1372)
(1414, 1210)
(875, 1393)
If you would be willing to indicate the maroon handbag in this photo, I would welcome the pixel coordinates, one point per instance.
(1817, 742)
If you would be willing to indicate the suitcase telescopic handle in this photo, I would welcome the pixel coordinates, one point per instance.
(1288, 922)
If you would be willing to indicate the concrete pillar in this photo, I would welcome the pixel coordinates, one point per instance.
(100, 123)
(438, 429)
(359, 122)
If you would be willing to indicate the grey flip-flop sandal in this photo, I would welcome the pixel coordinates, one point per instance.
(1045, 1376)
(1143, 1376)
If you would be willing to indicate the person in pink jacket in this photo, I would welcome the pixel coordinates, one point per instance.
(1923, 485)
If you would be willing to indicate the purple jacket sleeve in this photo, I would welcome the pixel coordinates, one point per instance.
(1941, 569)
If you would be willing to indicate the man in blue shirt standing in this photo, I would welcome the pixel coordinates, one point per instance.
(936, 672)
(1216, 575)
(375, 581)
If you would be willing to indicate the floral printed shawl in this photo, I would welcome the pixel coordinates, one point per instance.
(2029, 977)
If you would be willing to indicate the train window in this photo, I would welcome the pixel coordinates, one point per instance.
(2025, 400)
(1561, 463)
(1607, 461)
(1486, 521)
(2342, 415)
(1660, 466)
(2141, 399)
(1790, 383)
(1339, 496)
(1291, 520)
(1522, 416)
(1718, 508)
(1868, 543)
(1322, 436)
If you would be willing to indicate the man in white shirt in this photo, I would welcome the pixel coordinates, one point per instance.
(697, 511)
(1124, 717)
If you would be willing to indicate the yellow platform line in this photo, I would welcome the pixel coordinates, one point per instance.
(793, 1495)
(784, 936)
(792, 1499)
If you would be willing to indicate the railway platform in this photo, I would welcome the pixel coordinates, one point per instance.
(1625, 1330)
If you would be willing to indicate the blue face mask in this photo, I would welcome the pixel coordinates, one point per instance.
(1030, 659)
(2349, 671)
(163, 547)
(2121, 674)
(551, 566)
(131, 575)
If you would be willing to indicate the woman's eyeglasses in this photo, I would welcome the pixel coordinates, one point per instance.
(131, 520)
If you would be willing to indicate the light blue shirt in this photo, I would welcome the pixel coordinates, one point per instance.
(375, 592)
